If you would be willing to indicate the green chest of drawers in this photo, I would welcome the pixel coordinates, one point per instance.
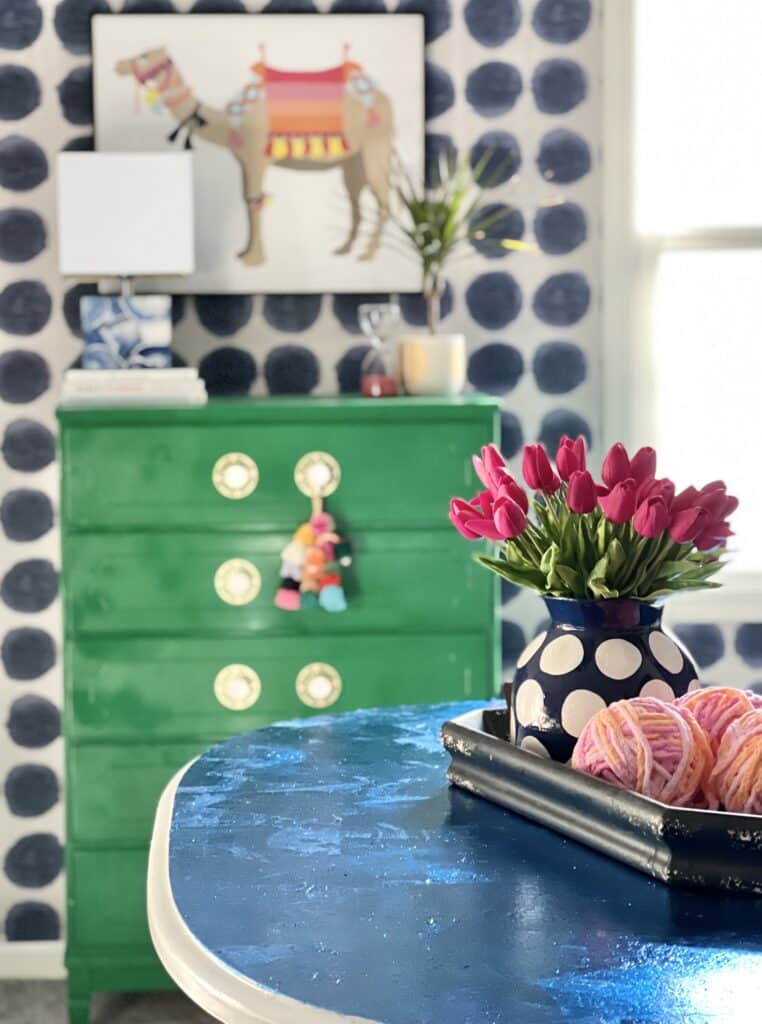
(159, 666)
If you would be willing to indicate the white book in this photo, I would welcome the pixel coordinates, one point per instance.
(197, 396)
(91, 381)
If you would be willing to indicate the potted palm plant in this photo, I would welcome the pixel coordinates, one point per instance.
(437, 222)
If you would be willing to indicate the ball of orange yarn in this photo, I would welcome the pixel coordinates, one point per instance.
(715, 708)
(737, 775)
(650, 747)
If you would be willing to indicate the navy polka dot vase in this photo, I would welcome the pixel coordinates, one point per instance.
(593, 653)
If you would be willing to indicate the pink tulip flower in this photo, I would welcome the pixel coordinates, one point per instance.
(687, 524)
(571, 457)
(491, 467)
(643, 465)
(510, 519)
(619, 505)
(616, 466)
(538, 471)
(581, 496)
(651, 517)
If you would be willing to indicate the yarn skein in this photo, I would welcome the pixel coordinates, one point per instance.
(737, 775)
(715, 708)
(650, 747)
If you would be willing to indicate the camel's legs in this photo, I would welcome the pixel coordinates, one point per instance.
(354, 182)
(376, 160)
(253, 252)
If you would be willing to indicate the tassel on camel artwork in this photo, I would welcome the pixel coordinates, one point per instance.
(347, 123)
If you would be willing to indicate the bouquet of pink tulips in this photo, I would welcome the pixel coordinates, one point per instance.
(629, 535)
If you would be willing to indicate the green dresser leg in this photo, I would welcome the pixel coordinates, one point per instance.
(79, 1007)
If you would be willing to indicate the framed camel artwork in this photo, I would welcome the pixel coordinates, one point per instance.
(295, 123)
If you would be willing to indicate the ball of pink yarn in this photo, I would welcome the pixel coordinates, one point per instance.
(755, 698)
(737, 775)
(715, 708)
(650, 747)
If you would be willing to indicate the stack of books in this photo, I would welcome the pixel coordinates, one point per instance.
(176, 386)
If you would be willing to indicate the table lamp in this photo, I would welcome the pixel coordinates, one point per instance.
(125, 215)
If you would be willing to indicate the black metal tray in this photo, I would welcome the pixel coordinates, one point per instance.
(678, 846)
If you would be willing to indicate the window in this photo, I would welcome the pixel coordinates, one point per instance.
(687, 242)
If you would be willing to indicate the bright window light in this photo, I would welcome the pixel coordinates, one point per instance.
(707, 359)
(698, 143)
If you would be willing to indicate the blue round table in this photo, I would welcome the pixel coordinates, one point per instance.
(323, 871)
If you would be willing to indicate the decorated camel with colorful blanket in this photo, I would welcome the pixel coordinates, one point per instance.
(303, 120)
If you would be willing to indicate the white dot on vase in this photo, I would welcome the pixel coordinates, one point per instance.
(659, 689)
(666, 651)
(694, 684)
(530, 702)
(530, 650)
(533, 746)
(562, 655)
(618, 659)
(578, 708)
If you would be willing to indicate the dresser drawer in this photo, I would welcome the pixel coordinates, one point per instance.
(145, 689)
(107, 898)
(165, 582)
(122, 810)
(394, 472)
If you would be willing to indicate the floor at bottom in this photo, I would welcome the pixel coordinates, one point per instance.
(44, 1002)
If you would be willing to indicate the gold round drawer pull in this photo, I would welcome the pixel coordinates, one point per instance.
(317, 474)
(237, 581)
(235, 475)
(318, 685)
(237, 687)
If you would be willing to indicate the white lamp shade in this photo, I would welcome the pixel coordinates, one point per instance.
(125, 214)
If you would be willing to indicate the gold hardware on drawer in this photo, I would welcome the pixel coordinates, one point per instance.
(235, 475)
(317, 474)
(237, 687)
(318, 685)
(237, 581)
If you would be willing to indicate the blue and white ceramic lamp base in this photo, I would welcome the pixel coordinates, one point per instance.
(126, 332)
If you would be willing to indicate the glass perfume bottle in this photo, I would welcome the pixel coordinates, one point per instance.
(378, 375)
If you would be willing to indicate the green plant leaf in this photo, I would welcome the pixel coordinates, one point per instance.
(616, 557)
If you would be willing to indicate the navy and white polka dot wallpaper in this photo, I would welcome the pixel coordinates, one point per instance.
(519, 78)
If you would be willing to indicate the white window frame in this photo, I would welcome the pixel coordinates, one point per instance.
(628, 275)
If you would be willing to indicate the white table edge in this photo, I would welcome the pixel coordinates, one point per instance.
(220, 991)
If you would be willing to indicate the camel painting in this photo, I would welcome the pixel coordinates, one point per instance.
(313, 120)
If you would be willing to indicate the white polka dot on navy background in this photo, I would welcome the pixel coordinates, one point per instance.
(530, 703)
(513, 80)
(617, 658)
(534, 746)
(530, 650)
(578, 708)
(657, 688)
(666, 651)
(562, 655)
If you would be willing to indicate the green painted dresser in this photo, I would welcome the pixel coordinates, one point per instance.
(171, 520)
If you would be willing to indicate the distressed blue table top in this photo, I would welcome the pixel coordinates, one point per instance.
(329, 860)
